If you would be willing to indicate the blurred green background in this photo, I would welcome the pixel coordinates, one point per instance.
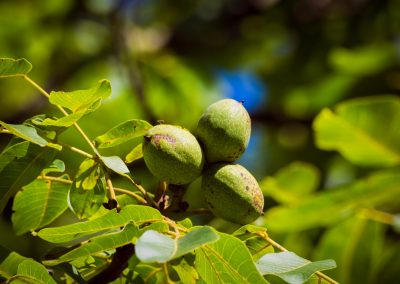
(168, 60)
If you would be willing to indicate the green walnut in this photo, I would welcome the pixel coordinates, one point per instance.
(172, 154)
(224, 131)
(232, 193)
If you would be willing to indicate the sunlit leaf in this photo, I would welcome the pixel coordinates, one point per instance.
(123, 132)
(57, 166)
(14, 67)
(137, 214)
(20, 164)
(257, 245)
(30, 271)
(331, 206)
(364, 130)
(227, 261)
(105, 242)
(28, 133)
(88, 174)
(155, 247)
(135, 154)
(9, 266)
(356, 245)
(79, 102)
(38, 204)
(115, 164)
(290, 267)
(292, 183)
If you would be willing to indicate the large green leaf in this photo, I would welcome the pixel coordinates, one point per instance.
(330, 206)
(30, 271)
(292, 183)
(185, 270)
(79, 102)
(357, 246)
(9, 266)
(14, 67)
(137, 214)
(227, 261)
(38, 204)
(290, 267)
(20, 164)
(364, 130)
(99, 244)
(123, 132)
(155, 247)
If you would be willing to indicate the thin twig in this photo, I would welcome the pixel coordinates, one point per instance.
(376, 215)
(77, 150)
(281, 248)
(62, 180)
(130, 193)
(111, 188)
(165, 269)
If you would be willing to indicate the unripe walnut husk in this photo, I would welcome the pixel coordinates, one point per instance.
(224, 131)
(232, 193)
(172, 154)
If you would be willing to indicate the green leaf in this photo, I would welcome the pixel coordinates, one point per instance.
(30, 271)
(14, 67)
(155, 247)
(9, 266)
(136, 214)
(256, 244)
(364, 130)
(20, 164)
(88, 174)
(135, 154)
(290, 267)
(28, 133)
(364, 60)
(80, 102)
(115, 164)
(99, 244)
(123, 132)
(331, 206)
(292, 183)
(57, 166)
(38, 204)
(186, 272)
(227, 261)
(82, 99)
(85, 203)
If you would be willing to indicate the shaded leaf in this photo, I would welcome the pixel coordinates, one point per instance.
(123, 132)
(371, 122)
(226, 261)
(330, 206)
(99, 244)
(57, 166)
(14, 67)
(85, 203)
(135, 154)
(155, 247)
(290, 267)
(30, 271)
(292, 183)
(186, 272)
(20, 164)
(38, 204)
(9, 266)
(137, 214)
(28, 133)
